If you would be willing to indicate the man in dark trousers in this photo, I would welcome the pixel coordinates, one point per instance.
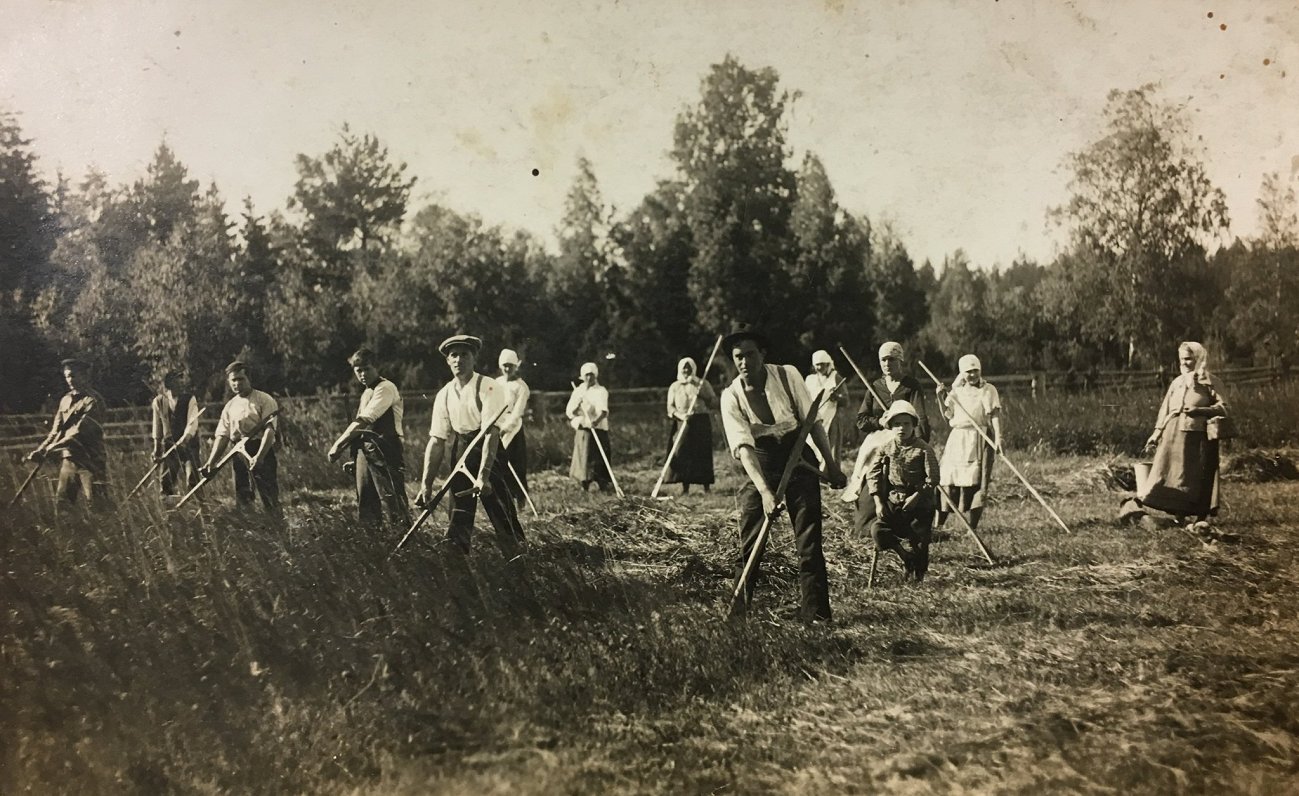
(258, 472)
(77, 435)
(375, 439)
(762, 411)
(466, 405)
(175, 422)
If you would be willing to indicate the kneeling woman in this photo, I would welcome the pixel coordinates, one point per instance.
(1183, 478)
(901, 482)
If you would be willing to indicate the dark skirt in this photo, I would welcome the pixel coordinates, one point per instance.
(1184, 475)
(516, 455)
(587, 463)
(693, 462)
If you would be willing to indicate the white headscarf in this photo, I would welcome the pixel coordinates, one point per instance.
(693, 369)
(967, 362)
(1201, 357)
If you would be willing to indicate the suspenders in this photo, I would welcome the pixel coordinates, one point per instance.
(793, 405)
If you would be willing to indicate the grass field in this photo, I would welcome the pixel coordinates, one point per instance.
(142, 652)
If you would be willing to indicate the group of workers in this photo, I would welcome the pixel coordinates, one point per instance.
(783, 429)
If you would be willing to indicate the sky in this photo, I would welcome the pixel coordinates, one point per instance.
(951, 120)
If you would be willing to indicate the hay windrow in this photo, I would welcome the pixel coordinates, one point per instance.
(1261, 466)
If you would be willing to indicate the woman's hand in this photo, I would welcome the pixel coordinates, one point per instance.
(1152, 442)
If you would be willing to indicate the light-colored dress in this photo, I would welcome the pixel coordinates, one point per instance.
(967, 457)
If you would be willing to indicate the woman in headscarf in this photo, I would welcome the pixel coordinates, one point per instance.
(690, 400)
(1183, 478)
(893, 385)
(588, 414)
(972, 405)
(514, 442)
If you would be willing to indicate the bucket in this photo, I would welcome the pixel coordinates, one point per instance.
(1141, 470)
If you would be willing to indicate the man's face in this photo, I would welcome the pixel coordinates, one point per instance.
(366, 373)
(460, 358)
(891, 366)
(748, 357)
(75, 377)
(239, 383)
(509, 369)
(904, 425)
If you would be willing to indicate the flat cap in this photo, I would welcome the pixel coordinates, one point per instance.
(475, 343)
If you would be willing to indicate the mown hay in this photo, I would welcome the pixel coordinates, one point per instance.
(1099, 478)
(1257, 466)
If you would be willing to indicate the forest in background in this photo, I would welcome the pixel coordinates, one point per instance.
(156, 275)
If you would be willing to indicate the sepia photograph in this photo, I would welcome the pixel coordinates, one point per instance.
(624, 397)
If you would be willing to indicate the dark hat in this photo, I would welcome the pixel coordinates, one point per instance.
(730, 341)
(76, 363)
(474, 343)
(235, 367)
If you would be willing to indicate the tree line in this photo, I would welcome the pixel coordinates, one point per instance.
(155, 275)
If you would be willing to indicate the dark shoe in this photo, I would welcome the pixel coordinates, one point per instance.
(908, 563)
(920, 562)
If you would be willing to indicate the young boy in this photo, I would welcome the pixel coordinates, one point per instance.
(901, 481)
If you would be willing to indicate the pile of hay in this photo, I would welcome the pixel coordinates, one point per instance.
(1099, 478)
(1259, 466)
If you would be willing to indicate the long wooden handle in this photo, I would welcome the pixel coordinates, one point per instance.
(446, 486)
(1032, 491)
(27, 481)
(681, 432)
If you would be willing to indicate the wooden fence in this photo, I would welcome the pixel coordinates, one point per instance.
(129, 425)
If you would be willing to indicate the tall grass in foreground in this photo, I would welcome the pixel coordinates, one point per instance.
(215, 652)
(212, 652)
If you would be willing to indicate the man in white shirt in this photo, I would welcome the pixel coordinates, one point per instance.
(761, 414)
(824, 377)
(175, 422)
(374, 437)
(471, 402)
(258, 475)
(513, 440)
(588, 414)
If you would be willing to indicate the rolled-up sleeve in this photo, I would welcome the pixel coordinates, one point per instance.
(191, 418)
(380, 400)
(513, 419)
(735, 424)
(225, 425)
(440, 425)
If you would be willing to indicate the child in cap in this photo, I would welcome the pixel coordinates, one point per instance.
(902, 480)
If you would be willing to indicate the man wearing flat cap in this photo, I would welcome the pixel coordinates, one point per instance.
(77, 435)
(374, 439)
(762, 411)
(588, 414)
(257, 473)
(513, 440)
(466, 405)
